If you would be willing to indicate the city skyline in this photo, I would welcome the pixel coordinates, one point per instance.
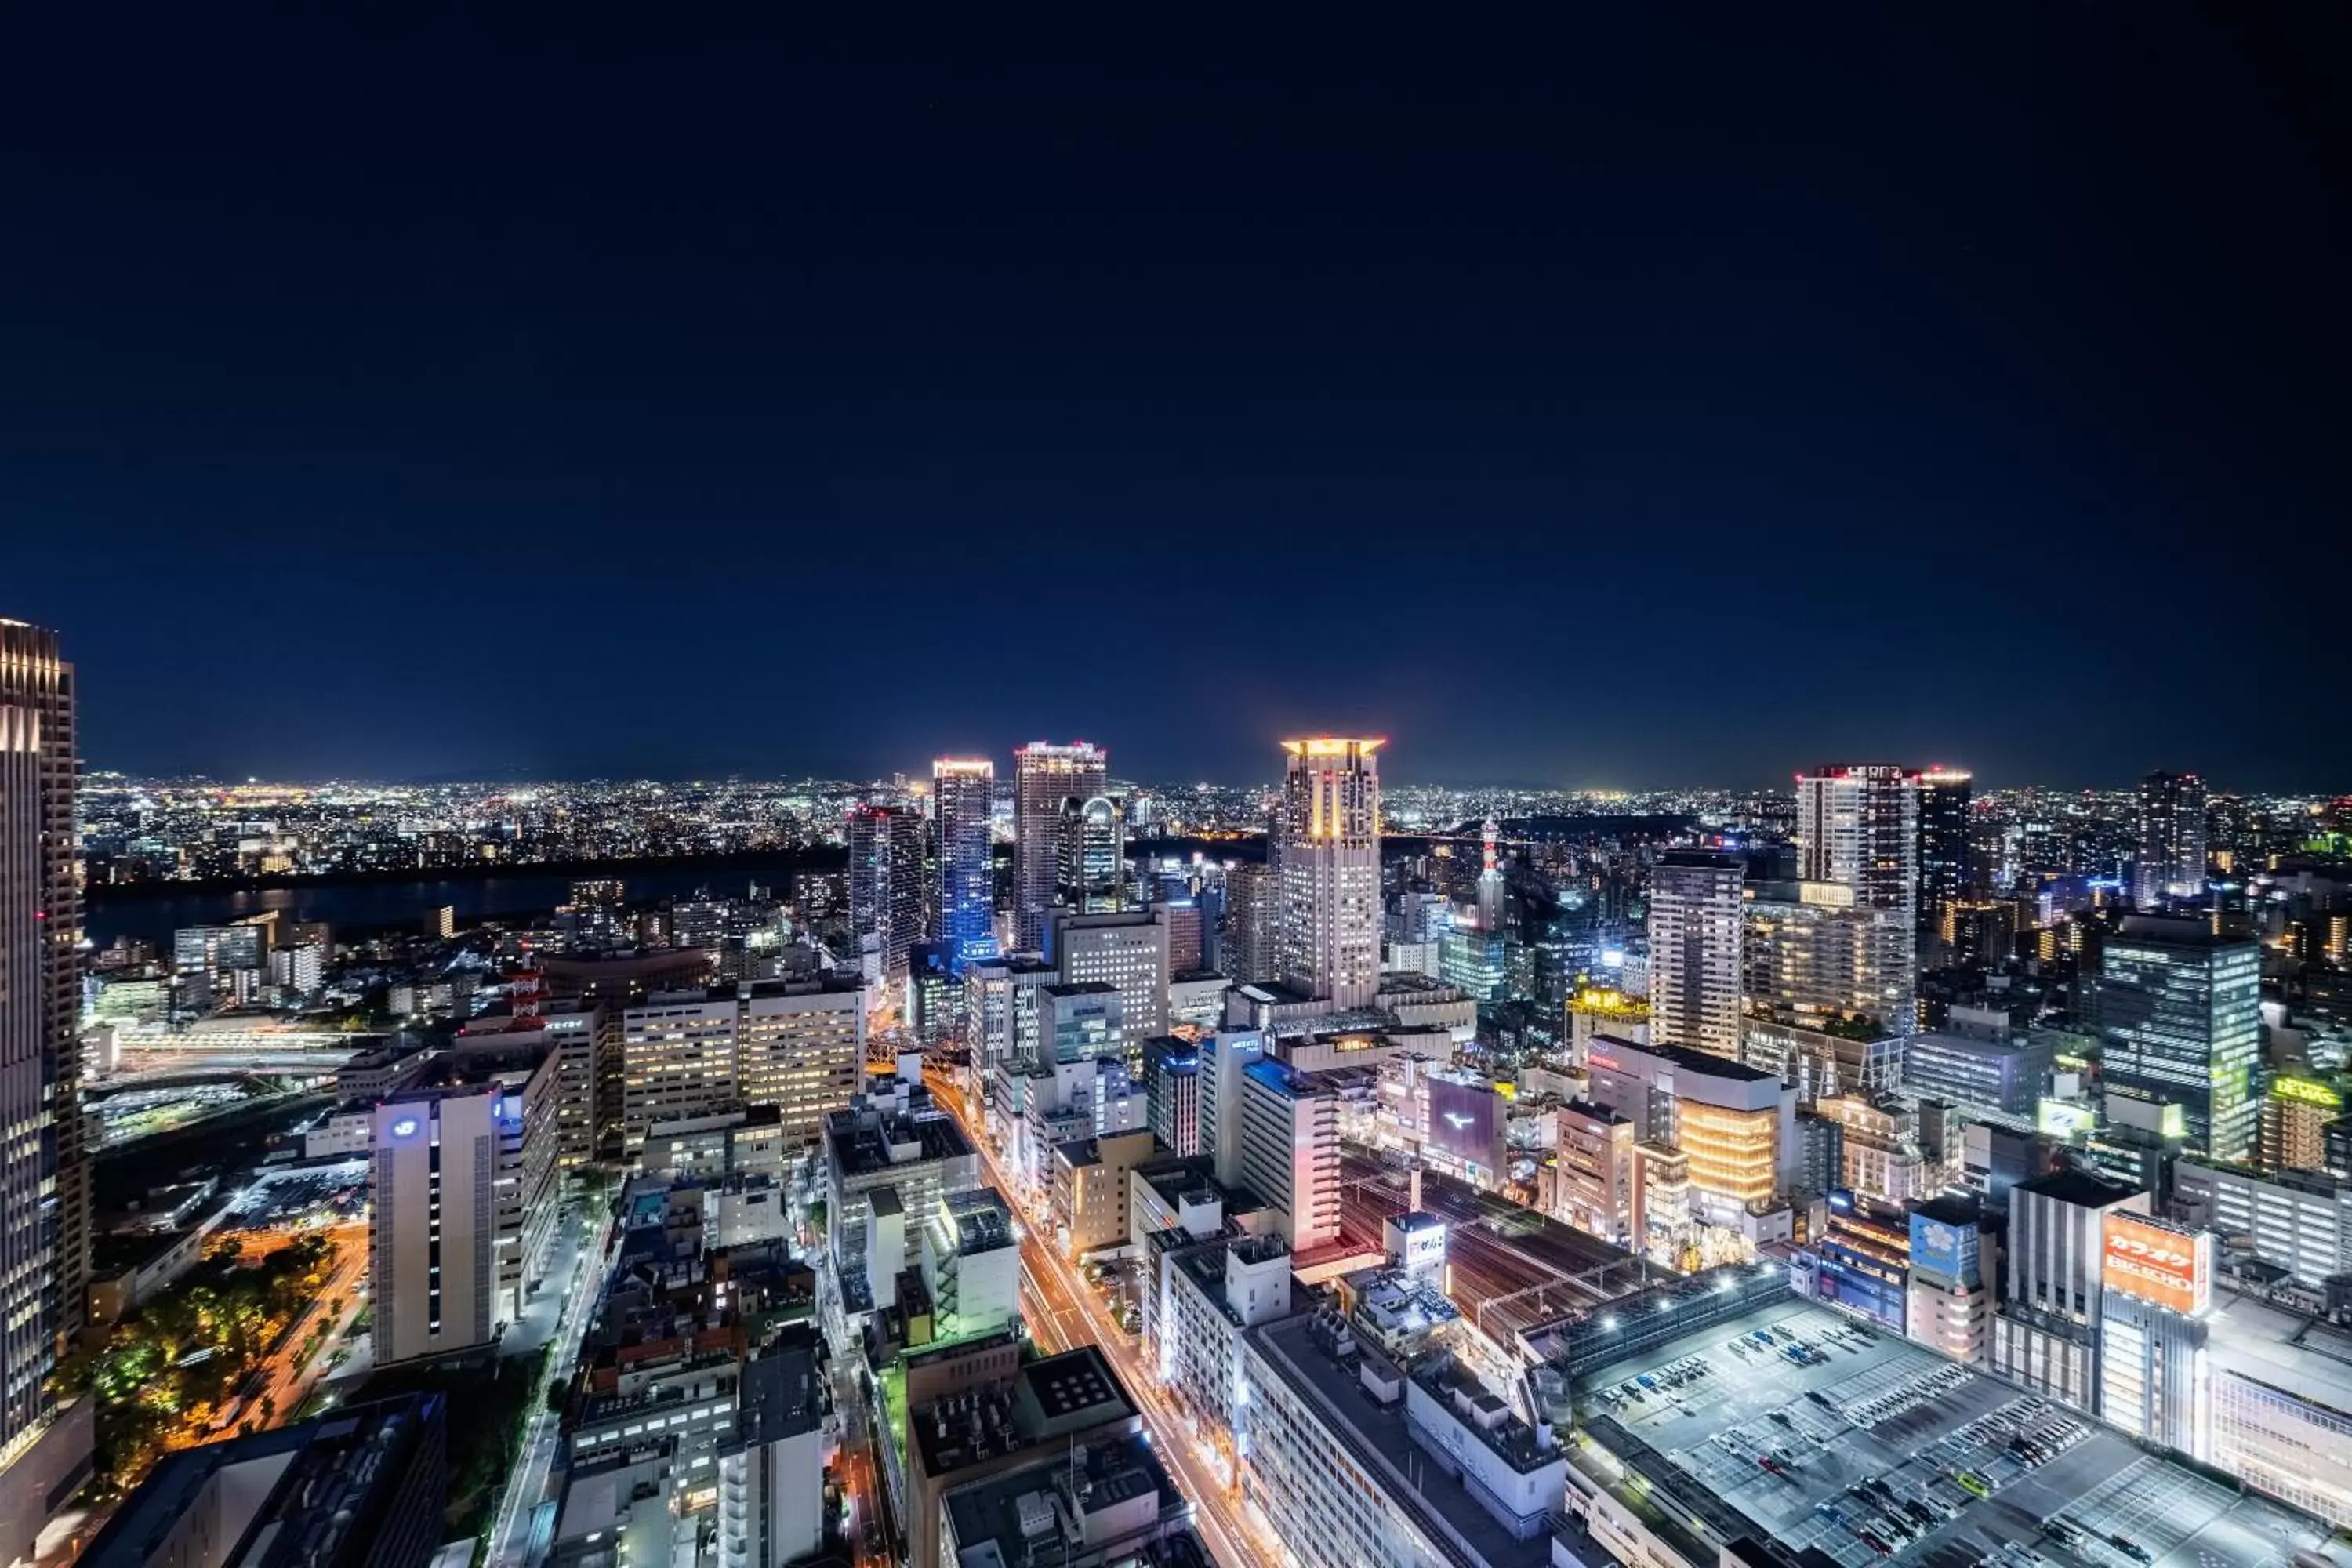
(1774, 782)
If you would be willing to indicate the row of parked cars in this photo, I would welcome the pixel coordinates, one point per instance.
(1907, 1395)
(1662, 1383)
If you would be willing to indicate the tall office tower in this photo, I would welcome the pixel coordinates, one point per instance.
(1245, 949)
(1043, 776)
(961, 790)
(43, 1182)
(1946, 866)
(1091, 854)
(1858, 846)
(2171, 839)
(1695, 934)
(2180, 1024)
(1326, 864)
(886, 887)
(463, 1186)
(1490, 885)
(1126, 951)
(2045, 1332)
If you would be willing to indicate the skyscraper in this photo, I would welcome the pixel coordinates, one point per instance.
(43, 1182)
(1326, 864)
(2180, 1024)
(1246, 948)
(886, 887)
(1091, 854)
(1946, 866)
(960, 794)
(1695, 936)
(2171, 839)
(1859, 827)
(1858, 847)
(1490, 883)
(1043, 776)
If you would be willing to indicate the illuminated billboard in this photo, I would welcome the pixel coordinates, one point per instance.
(2159, 1263)
(1947, 1250)
(1465, 1124)
(2065, 1118)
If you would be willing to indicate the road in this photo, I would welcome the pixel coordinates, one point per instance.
(290, 1377)
(1062, 1313)
(527, 1489)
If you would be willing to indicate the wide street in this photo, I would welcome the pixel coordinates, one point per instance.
(1062, 1313)
(510, 1525)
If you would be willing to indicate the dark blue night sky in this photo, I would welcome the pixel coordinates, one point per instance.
(1676, 397)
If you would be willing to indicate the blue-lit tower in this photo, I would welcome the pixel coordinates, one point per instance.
(962, 789)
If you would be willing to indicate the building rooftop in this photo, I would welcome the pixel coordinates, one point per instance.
(315, 1494)
(1300, 1352)
(2074, 1184)
(2305, 1358)
(1062, 1507)
(977, 1221)
(1282, 1077)
(1684, 1059)
(1883, 1410)
(1204, 1262)
(1055, 1397)
(2169, 931)
(865, 1141)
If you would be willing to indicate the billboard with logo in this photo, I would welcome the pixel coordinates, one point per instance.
(2065, 1118)
(1465, 1124)
(2154, 1262)
(1943, 1249)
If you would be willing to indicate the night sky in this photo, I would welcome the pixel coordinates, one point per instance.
(1665, 398)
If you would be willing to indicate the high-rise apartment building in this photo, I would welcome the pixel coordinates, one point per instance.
(43, 1180)
(797, 1045)
(962, 792)
(1858, 847)
(1091, 854)
(2180, 1024)
(2171, 839)
(887, 891)
(1246, 948)
(1817, 959)
(1859, 827)
(1326, 852)
(1696, 942)
(1043, 776)
(1946, 864)
(800, 1046)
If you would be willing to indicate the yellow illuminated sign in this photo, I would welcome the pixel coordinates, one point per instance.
(2310, 1091)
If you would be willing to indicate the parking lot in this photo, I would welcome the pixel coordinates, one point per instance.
(304, 1198)
(1848, 1439)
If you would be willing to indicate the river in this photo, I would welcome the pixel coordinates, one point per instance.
(358, 906)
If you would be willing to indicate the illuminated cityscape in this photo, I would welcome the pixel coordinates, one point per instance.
(788, 787)
(767, 1117)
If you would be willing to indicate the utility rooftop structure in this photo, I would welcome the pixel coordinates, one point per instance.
(1799, 1439)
